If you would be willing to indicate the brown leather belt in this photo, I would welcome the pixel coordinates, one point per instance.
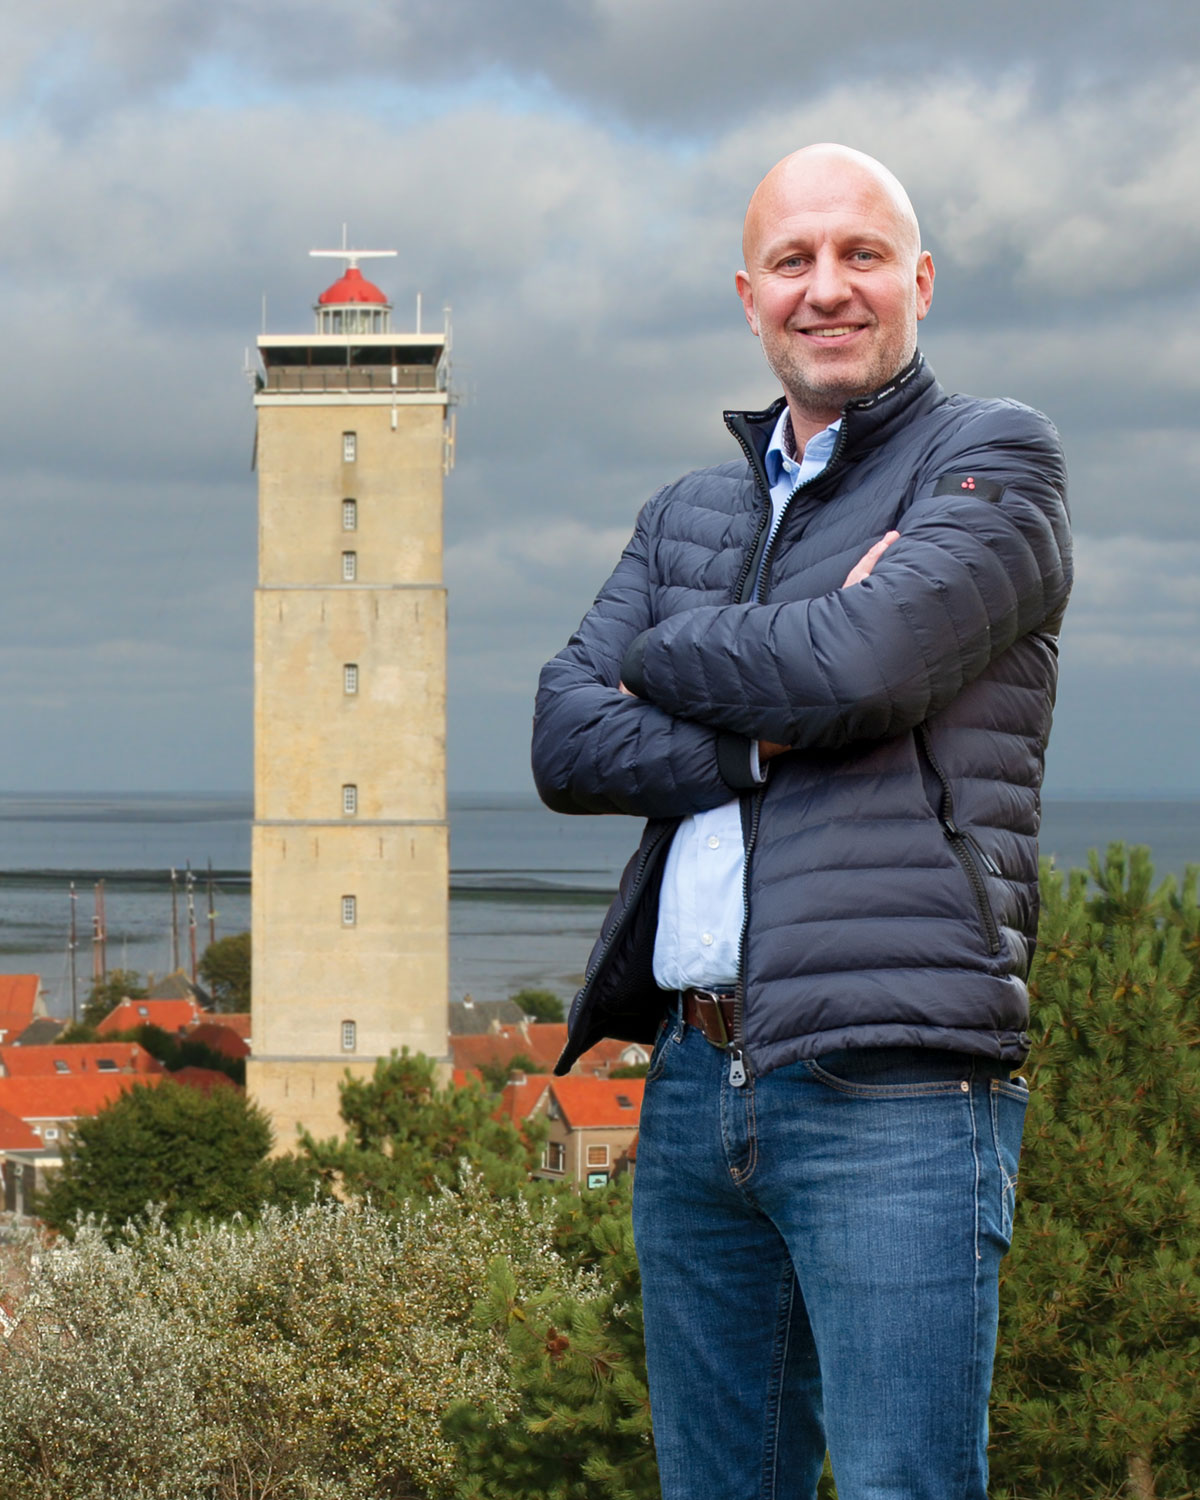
(711, 1013)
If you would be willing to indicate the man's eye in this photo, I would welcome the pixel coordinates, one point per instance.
(863, 257)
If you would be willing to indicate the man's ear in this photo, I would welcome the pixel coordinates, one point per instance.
(925, 274)
(746, 293)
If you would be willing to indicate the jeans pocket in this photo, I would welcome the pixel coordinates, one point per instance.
(1008, 1100)
(668, 1032)
(891, 1073)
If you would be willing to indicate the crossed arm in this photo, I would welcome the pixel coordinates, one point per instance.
(768, 749)
(922, 613)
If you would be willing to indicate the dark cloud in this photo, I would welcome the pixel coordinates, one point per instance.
(206, 149)
(678, 64)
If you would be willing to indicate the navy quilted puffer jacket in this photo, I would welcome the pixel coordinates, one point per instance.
(891, 872)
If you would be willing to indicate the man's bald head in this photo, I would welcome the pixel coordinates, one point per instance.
(835, 280)
(810, 174)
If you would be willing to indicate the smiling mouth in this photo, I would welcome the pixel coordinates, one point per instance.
(831, 333)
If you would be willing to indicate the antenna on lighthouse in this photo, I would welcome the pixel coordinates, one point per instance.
(352, 257)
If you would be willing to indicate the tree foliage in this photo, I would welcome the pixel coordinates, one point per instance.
(540, 1005)
(582, 1429)
(1096, 1391)
(225, 969)
(195, 1154)
(107, 993)
(498, 1071)
(408, 1138)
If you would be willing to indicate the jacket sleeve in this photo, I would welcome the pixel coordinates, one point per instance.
(596, 749)
(967, 577)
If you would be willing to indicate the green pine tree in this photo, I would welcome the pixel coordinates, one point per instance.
(198, 1155)
(582, 1430)
(407, 1137)
(1097, 1391)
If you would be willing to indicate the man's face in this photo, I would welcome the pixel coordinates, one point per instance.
(834, 285)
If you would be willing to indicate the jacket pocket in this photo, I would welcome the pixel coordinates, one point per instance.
(975, 861)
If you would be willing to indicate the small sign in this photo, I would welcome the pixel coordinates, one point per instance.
(597, 1179)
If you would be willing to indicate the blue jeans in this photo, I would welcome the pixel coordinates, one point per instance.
(819, 1254)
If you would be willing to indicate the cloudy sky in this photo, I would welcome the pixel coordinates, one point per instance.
(570, 175)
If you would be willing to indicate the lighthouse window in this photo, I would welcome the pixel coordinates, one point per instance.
(350, 678)
(349, 447)
(349, 567)
(349, 799)
(349, 911)
(349, 1036)
(349, 515)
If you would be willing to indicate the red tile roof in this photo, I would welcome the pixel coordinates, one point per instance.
(606, 1054)
(18, 1000)
(237, 1021)
(503, 1045)
(15, 1135)
(79, 1057)
(220, 1038)
(598, 1102)
(67, 1097)
(170, 1015)
(522, 1096)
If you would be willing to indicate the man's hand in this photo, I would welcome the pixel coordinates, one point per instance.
(768, 749)
(867, 561)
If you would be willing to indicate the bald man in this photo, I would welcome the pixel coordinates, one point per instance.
(824, 674)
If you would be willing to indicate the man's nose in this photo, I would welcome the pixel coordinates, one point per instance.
(828, 284)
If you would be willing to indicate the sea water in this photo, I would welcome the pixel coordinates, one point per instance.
(527, 887)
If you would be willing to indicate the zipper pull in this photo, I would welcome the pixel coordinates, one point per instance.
(737, 1070)
(989, 863)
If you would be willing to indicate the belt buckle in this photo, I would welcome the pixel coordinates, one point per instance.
(716, 999)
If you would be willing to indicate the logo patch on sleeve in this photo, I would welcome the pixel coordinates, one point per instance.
(969, 484)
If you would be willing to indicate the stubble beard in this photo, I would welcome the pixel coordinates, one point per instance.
(818, 398)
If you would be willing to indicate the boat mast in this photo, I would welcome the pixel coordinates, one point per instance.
(72, 945)
(174, 922)
(191, 911)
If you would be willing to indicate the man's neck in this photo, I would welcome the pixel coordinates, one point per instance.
(806, 424)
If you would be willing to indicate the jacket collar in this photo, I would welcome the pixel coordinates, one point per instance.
(867, 421)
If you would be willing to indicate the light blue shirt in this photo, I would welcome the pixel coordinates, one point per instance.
(701, 911)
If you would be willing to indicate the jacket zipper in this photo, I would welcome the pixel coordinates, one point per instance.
(737, 1057)
(969, 852)
(617, 928)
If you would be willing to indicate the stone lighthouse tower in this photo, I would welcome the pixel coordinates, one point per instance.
(350, 842)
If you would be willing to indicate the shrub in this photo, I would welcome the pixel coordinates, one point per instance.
(305, 1357)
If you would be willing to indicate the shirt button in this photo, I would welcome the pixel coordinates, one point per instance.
(706, 938)
(713, 841)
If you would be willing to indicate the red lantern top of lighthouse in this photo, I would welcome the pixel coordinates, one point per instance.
(352, 287)
(353, 304)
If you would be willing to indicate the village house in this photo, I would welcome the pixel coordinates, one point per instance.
(593, 1124)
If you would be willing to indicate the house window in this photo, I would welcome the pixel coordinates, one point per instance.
(350, 678)
(349, 447)
(349, 1031)
(106, 1065)
(349, 800)
(349, 911)
(554, 1158)
(50, 1133)
(349, 515)
(60, 1066)
(597, 1156)
(349, 567)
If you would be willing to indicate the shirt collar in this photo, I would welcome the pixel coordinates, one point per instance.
(781, 450)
